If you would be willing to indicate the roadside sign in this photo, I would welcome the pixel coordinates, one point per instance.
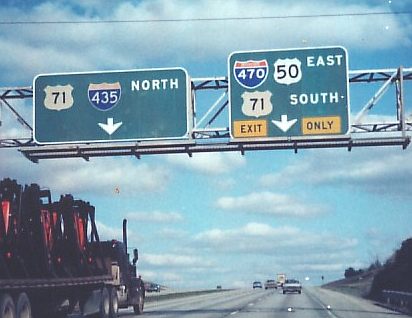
(150, 104)
(288, 93)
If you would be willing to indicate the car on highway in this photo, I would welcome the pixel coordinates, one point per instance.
(257, 284)
(292, 286)
(270, 283)
(152, 287)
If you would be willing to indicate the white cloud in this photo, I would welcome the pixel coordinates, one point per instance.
(259, 250)
(165, 278)
(12, 127)
(257, 230)
(109, 233)
(265, 250)
(155, 217)
(320, 267)
(102, 176)
(208, 163)
(170, 233)
(112, 176)
(270, 203)
(260, 238)
(225, 184)
(175, 260)
(382, 170)
(130, 45)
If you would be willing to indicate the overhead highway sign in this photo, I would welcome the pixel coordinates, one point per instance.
(288, 93)
(148, 104)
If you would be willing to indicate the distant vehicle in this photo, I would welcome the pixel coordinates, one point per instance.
(257, 285)
(270, 283)
(219, 287)
(152, 287)
(280, 279)
(292, 286)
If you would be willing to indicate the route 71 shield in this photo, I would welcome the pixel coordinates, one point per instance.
(58, 97)
(257, 104)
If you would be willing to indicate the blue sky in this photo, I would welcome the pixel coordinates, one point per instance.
(222, 218)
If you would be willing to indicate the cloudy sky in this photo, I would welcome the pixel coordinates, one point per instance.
(222, 218)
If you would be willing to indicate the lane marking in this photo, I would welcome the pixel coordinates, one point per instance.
(326, 308)
(234, 313)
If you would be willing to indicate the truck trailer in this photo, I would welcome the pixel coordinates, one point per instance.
(53, 262)
(280, 279)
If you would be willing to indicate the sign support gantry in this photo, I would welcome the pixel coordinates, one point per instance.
(209, 126)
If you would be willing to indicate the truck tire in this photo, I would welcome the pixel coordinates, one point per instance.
(104, 304)
(114, 303)
(138, 309)
(23, 306)
(7, 308)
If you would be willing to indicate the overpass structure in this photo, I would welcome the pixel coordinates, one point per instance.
(209, 123)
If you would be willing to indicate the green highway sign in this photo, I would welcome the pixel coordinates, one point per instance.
(288, 93)
(148, 104)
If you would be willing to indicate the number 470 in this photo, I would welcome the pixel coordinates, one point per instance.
(251, 73)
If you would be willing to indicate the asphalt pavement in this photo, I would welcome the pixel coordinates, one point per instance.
(314, 302)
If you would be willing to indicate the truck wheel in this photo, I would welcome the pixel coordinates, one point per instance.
(138, 309)
(114, 303)
(104, 303)
(23, 307)
(7, 308)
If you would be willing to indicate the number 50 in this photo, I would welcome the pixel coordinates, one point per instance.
(287, 70)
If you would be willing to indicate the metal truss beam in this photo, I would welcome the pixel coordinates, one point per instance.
(35, 153)
(207, 137)
(379, 75)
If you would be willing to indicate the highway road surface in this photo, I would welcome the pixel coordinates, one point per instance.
(312, 303)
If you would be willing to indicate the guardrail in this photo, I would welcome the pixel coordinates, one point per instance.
(398, 300)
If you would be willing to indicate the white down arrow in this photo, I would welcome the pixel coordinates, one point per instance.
(110, 127)
(284, 124)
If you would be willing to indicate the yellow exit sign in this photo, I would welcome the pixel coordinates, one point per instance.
(250, 128)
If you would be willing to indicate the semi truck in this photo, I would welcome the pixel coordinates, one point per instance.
(52, 261)
(280, 279)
